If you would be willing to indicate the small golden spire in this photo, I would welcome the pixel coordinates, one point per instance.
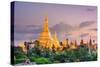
(56, 41)
(23, 47)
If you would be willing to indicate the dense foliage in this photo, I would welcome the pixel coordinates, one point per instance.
(41, 55)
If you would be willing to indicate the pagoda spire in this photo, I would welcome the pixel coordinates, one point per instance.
(65, 43)
(55, 41)
(55, 36)
(90, 41)
(45, 38)
(45, 28)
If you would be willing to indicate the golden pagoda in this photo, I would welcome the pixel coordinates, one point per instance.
(65, 43)
(81, 42)
(55, 41)
(23, 47)
(45, 38)
(73, 45)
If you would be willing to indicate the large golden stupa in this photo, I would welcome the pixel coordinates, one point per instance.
(46, 39)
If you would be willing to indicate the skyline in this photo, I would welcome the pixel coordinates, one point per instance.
(79, 21)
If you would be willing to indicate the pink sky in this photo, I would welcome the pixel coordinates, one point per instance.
(29, 17)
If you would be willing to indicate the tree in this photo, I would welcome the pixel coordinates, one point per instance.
(19, 55)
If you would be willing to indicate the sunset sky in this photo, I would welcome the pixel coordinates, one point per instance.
(74, 22)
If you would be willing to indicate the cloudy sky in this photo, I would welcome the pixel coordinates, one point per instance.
(69, 21)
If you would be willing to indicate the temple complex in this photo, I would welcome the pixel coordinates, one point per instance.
(46, 40)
